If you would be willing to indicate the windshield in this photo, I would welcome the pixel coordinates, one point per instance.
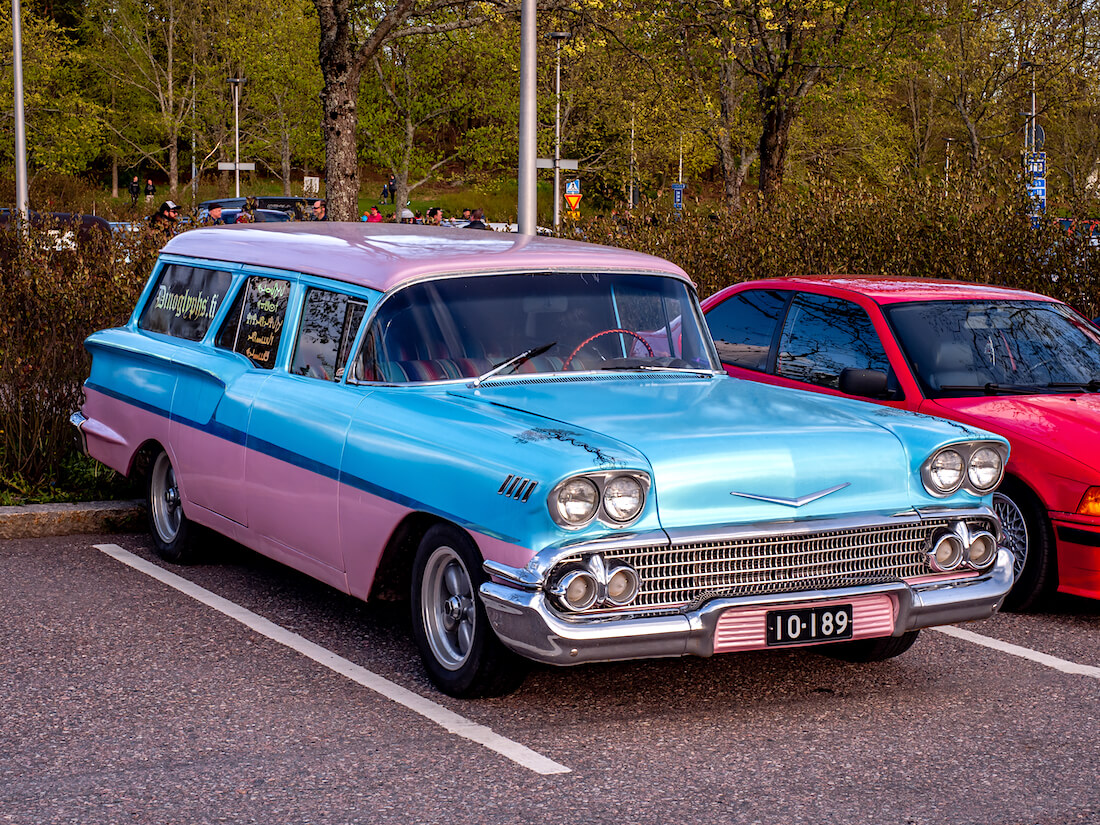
(969, 347)
(465, 327)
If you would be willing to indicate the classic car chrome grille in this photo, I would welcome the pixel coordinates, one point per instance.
(690, 573)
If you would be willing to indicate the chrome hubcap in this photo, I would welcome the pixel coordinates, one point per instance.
(448, 609)
(164, 498)
(1015, 531)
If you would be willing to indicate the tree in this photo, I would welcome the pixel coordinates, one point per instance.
(147, 48)
(281, 101)
(62, 133)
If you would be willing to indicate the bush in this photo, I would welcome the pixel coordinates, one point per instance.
(55, 292)
(969, 232)
(53, 298)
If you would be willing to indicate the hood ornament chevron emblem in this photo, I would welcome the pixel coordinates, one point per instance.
(793, 502)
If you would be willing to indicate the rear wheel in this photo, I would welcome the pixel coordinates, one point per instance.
(170, 528)
(872, 650)
(462, 655)
(1028, 537)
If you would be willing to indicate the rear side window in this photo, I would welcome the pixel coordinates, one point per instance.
(823, 336)
(184, 301)
(254, 324)
(329, 323)
(743, 327)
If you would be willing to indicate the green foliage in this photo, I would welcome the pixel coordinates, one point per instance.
(62, 130)
(54, 296)
(969, 232)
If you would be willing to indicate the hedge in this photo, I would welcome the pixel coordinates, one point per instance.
(53, 298)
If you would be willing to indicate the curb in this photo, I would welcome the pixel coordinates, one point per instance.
(40, 520)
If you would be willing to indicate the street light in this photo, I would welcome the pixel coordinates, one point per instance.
(22, 196)
(557, 37)
(236, 82)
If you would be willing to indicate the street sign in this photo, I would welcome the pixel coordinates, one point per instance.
(678, 195)
(573, 187)
(229, 167)
(1037, 164)
(574, 200)
(311, 185)
(548, 163)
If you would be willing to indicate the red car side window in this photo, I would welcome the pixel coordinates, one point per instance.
(822, 336)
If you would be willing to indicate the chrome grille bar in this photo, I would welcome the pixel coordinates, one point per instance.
(688, 573)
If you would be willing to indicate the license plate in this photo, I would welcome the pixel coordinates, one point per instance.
(809, 624)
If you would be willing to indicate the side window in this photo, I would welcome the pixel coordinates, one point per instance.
(255, 321)
(743, 327)
(822, 336)
(329, 323)
(185, 301)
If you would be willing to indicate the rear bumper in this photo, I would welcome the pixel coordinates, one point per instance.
(527, 624)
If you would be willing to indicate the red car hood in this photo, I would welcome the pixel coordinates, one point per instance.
(1068, 424)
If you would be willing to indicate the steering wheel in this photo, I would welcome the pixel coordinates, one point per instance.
(592, 338)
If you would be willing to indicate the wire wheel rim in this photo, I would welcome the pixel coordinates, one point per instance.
(164, 499)
(448, 608)
(1014, 528)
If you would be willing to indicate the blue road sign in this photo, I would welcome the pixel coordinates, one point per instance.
(678, 195)
(573, 187)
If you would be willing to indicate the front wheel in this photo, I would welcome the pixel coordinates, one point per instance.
(872, 650)
(170, 528)
(462, 655)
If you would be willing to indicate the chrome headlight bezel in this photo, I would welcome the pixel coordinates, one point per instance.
(604, 483)
(973, 455)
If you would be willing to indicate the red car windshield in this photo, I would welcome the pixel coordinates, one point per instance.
(989, 347)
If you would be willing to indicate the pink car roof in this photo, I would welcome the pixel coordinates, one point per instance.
(381, 256)
(892, 290)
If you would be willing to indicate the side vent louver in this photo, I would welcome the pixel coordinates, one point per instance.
(517, 488)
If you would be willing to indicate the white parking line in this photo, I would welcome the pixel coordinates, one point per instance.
(1023, 652)
(446, 719)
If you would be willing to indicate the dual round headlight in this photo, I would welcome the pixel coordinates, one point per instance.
(617, 498)
(581, 586)
(961, 546)
(977, 467)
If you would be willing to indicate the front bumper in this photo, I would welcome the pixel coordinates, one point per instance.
(529, 626)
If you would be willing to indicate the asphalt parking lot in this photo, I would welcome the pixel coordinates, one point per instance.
(240, 691)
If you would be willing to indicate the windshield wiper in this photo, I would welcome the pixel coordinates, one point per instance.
(515, 361)
(1092, 385)
(702, 373)
(994, 389)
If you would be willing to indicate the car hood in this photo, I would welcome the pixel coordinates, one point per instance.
(1068, 424)
(720, 448)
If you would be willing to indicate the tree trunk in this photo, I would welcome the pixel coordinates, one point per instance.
(342, 66)
(338, 100)
(773, 152)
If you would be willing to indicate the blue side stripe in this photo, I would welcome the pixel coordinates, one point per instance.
(239, 437)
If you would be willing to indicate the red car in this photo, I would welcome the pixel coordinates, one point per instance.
(1016, 363)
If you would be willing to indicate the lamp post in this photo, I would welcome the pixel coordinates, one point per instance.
(528, 120)
(236, 82)
(22, 196)
(557, 37)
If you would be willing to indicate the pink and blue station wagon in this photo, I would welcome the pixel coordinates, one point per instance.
(534, 439)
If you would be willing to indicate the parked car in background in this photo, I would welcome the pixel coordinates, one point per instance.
(532, 439)
(296, 208)
(256, 216)
(67, 229)
(1020, 364)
